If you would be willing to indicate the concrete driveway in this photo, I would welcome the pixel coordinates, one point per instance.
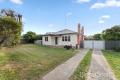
(65, 70)
(99, 68)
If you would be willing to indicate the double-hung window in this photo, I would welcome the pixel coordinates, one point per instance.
(66, 38)
(46, 38)
(63, 38)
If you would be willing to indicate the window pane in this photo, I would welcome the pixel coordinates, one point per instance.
(68, 38)
(46, 38)
(62, 38)
(65, 38)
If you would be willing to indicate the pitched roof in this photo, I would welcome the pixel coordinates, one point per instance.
(65, 31)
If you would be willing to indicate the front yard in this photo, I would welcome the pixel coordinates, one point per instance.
(113, 59)
(30, 62)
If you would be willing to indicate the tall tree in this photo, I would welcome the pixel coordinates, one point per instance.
(12, 14)
(112, 34)
(97, 37)
(10, 28)
(39, 37)
(10, 31)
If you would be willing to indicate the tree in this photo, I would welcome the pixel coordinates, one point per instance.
(112, 34)
(10, 27)
(8, 12)
(12, 14)
(29, 37)
(97, 37)
(39, 37)
(10, 31)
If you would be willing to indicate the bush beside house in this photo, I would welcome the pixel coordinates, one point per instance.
(31, 37)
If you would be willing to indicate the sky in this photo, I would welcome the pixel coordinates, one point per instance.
(43, 16)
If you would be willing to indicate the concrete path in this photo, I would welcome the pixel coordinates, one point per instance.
(100, 69)
(65, 70)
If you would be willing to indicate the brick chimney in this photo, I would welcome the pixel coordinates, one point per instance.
(79, 33)
(80, 36)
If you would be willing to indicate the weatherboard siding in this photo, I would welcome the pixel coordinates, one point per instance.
(51, 40)
(73, 40)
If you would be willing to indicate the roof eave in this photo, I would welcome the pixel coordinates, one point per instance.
(59, 34)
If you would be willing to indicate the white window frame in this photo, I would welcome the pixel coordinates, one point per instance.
(66, 38)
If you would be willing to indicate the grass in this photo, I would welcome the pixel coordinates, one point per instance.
(82, 70)
(113, 59)
(30, 62)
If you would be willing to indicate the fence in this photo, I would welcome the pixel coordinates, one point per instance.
(39, 42)
(109, 45)
(95, 44)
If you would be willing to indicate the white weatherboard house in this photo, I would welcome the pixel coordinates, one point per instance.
(61, 38)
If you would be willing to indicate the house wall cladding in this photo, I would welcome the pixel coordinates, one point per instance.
(109, 45)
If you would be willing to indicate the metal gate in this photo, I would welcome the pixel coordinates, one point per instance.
(94, 44)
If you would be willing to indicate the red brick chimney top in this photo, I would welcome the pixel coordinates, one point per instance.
(80, 36)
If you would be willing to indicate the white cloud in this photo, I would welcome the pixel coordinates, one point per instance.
(107, 3)
(103, 18)
(17, 1)
(50, 25)
(101, 21)
(82, 1)
(98, 5)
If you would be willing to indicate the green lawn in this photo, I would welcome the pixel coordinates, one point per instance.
(30, 62)
(82, 70)
(113, 59)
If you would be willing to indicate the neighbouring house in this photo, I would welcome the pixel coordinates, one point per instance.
(64, 37)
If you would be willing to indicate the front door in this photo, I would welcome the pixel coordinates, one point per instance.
(56, 40)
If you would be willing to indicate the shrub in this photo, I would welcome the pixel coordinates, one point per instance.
(29, 37)
(10, 32)
(67, 47)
